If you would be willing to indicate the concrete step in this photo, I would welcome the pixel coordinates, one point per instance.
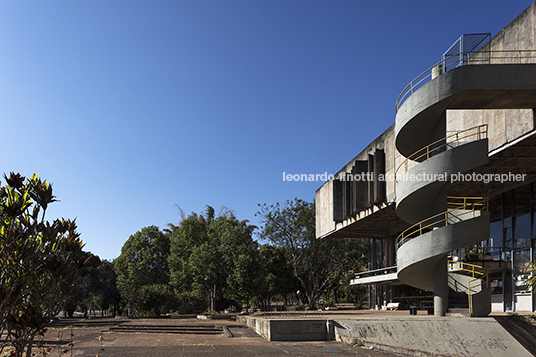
(186, 329)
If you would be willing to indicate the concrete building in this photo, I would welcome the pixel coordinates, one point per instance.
(447, 195)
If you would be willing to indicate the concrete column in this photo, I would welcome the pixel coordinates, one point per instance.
(390, 243)
(441, 288)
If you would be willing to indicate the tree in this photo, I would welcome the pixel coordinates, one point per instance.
(192, 232)
(143, 261)
(153, 297)
(39, 260)
(107, 287)
(530, 268)
(275, 276)
(317, 264)
(212, 257)
(81, 295)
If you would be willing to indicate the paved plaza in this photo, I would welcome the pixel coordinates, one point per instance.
(244, 342)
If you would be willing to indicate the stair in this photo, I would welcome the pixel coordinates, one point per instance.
(186, 329)
(477, 301)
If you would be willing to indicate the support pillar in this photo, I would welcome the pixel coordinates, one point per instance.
(441, 288)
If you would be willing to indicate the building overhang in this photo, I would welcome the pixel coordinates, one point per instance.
(377, 222)
(517, 157)
(384, 276)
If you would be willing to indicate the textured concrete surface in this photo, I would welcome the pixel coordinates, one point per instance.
(447, 335)
(244, 343)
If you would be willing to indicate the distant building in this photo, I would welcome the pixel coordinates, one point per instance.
(447, 195)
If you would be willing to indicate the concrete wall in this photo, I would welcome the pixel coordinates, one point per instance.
(452, 336)
(324, 195)
(290, 330)
(324, 209)
(504, 125)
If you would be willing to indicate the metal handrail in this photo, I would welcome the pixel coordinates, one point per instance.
(483, 277)
(469, 58)
(442, 219)
(450, 141)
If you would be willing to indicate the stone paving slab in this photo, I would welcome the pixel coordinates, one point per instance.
(245, 343)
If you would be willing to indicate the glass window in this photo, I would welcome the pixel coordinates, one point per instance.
(495, 208)
(534, 220)
(522, 231)
(522, 217)
(496, 234)
(496, 286)
(522, 200)
(496, 230)
(507, 234)
(521, 269)
(507, 204)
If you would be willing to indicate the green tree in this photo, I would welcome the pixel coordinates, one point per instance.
(153, 297)
(81, 295)
(39, 260)
(213, 257)
(275, 276)
(317, 264)
(107, 287)
(191, 232)
(143, 261)
(530, 268)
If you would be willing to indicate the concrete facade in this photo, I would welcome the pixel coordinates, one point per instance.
(474, 118)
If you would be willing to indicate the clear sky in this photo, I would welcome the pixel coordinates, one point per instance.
(131, 107)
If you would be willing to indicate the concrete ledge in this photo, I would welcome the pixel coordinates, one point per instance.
(290, 330)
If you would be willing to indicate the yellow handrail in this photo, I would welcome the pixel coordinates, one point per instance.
(452, 140)
(478, 276)
(468, 58)
(442, 219)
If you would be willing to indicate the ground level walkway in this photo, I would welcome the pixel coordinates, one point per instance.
(163, 338)
(498, 335)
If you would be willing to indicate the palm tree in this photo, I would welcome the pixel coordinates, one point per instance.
(531, 269)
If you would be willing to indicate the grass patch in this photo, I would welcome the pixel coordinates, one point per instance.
(356, 343)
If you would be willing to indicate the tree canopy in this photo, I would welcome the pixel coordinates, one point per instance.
(39, 260)
(143, 261)
(318, 264)
(212, 257)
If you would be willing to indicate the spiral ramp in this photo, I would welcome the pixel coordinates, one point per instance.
(440, 223)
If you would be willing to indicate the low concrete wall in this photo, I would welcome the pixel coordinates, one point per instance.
(464, 337)
(290, 330)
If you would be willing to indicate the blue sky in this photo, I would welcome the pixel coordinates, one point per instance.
(132, 107)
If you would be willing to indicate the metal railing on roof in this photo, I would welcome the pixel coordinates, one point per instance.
(462, 59)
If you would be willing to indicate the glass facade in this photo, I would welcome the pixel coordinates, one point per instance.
(512, 241)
